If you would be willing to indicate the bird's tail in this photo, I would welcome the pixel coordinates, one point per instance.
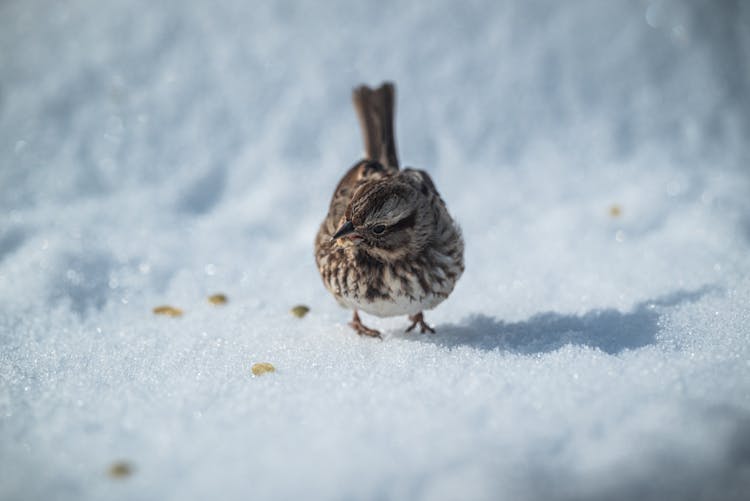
(375, 109)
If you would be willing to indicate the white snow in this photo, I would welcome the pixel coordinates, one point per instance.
(159, 152)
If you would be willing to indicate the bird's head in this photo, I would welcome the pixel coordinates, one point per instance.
(388, 219)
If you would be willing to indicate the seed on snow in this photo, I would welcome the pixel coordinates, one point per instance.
(300, 310)
(217, 299)
(170, 311)
(262, 368)
(120, 469)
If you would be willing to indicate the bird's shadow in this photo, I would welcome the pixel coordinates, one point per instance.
(609, 330)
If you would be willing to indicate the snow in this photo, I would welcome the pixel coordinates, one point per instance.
(159, 152)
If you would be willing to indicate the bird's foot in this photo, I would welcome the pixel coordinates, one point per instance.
(418, 319)
(361, 329)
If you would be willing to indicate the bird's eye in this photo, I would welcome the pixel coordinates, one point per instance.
(379, 229)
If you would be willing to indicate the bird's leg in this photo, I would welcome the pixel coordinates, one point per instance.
(357, 325)
(418, 319)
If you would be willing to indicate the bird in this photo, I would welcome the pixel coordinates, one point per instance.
(388, 245)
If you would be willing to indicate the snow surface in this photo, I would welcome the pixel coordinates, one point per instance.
(159, 152)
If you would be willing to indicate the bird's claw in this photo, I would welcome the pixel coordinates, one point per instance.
(418, 319)
(362, 329)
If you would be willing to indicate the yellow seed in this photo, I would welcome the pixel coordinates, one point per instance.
(300, 310)
(170, 311)
(262, 368)
(615, 211)
(217, 299)
(120, 469)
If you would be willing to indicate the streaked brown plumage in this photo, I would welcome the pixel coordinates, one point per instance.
(388, 245)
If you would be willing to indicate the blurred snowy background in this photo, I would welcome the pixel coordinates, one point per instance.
(595, 153)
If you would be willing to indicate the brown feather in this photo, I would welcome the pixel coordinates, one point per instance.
(402, 253)
(375, 109)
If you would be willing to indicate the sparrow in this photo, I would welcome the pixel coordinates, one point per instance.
(388, 245)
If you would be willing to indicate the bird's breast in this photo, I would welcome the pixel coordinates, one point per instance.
(403, 287)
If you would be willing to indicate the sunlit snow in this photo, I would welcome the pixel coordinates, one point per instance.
(157, 153)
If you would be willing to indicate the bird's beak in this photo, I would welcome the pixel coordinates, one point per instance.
(345, 229)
